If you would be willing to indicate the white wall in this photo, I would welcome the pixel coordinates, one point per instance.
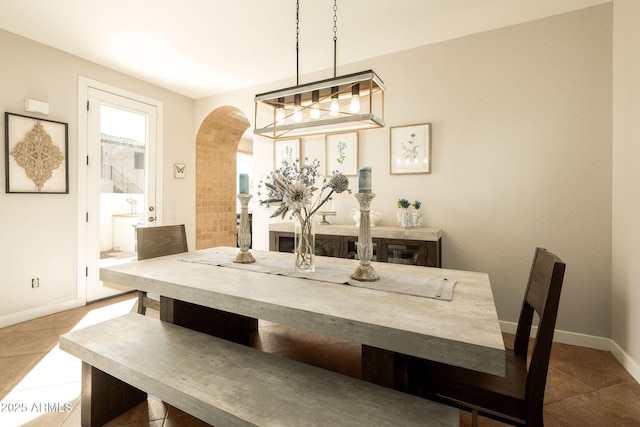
(626, 190)
(39, 232)
(522, 154)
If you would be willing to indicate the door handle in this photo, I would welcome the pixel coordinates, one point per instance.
(151, 219)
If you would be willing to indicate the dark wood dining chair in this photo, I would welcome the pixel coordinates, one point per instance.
(154, 242)
(517, 398)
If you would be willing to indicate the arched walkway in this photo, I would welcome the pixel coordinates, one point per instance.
(216, 178)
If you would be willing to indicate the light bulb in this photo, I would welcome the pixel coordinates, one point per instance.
(315, 104)
(334, 109)
(297, 110)
(315, 111)
(280, 111)
(354, 106)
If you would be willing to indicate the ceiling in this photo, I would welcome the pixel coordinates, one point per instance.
(203, 47)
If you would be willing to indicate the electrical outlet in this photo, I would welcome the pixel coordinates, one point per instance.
(35, 282)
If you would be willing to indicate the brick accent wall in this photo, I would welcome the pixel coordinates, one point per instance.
(216, 177)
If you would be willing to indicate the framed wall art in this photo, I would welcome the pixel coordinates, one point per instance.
(286, 149)
(342, 153)
(179, 170)
(36, 155)
(410, 149)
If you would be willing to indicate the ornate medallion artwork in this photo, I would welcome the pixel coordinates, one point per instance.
(38, 155)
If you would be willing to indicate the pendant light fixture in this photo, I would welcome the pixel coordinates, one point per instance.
(351, 102)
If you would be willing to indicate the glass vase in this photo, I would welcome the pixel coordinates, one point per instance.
(304, 244)
(416, 219)
(404, 218)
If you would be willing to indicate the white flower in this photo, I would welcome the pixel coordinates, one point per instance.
(297, 196)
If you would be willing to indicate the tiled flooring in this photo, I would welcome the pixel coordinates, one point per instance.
(40, 384)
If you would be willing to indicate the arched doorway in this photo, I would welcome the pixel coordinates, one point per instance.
(216, 148)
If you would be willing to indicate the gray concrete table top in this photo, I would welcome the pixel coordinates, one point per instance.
(464, 331)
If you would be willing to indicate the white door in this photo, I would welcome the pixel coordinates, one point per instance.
(121, 182)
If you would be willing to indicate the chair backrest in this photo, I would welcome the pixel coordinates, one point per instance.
(161, 240)
(543, 297)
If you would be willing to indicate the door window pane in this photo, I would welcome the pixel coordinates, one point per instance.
(122, 184)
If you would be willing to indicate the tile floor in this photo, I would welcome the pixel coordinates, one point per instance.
(40, 384)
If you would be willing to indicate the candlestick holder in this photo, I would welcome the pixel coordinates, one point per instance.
(365, 272)
(244, 235)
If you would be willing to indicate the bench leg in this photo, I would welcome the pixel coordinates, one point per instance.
(221, 324)
(385, 368)
(105, 397)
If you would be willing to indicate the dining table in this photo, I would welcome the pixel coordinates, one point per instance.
(429, 313)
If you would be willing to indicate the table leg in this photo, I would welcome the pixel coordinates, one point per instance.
(385, 368)
(222, 324)
(104, 397)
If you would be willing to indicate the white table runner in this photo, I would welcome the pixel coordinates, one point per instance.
(417, 285)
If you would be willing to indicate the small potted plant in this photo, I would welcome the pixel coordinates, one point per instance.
(403, 215)
(416, 216)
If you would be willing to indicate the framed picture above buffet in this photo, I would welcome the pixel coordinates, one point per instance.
(342, 153)
(286, 150)
(410, 149)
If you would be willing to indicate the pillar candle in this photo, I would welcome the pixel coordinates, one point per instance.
(364, 180)
(244, 183)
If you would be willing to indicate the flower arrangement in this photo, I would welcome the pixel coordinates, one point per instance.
(405, 204)
(409, 219)
(292, 185)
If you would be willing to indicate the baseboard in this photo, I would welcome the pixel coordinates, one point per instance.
(625, 360)
(23, 316)
(589, 341)
(565, 337)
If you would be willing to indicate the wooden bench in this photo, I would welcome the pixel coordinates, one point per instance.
(227, 384)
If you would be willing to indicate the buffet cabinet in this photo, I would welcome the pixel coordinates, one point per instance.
(416, 246)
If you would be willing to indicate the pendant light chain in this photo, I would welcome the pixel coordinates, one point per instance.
(282, 114)
(335, 35)
(297, 42)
